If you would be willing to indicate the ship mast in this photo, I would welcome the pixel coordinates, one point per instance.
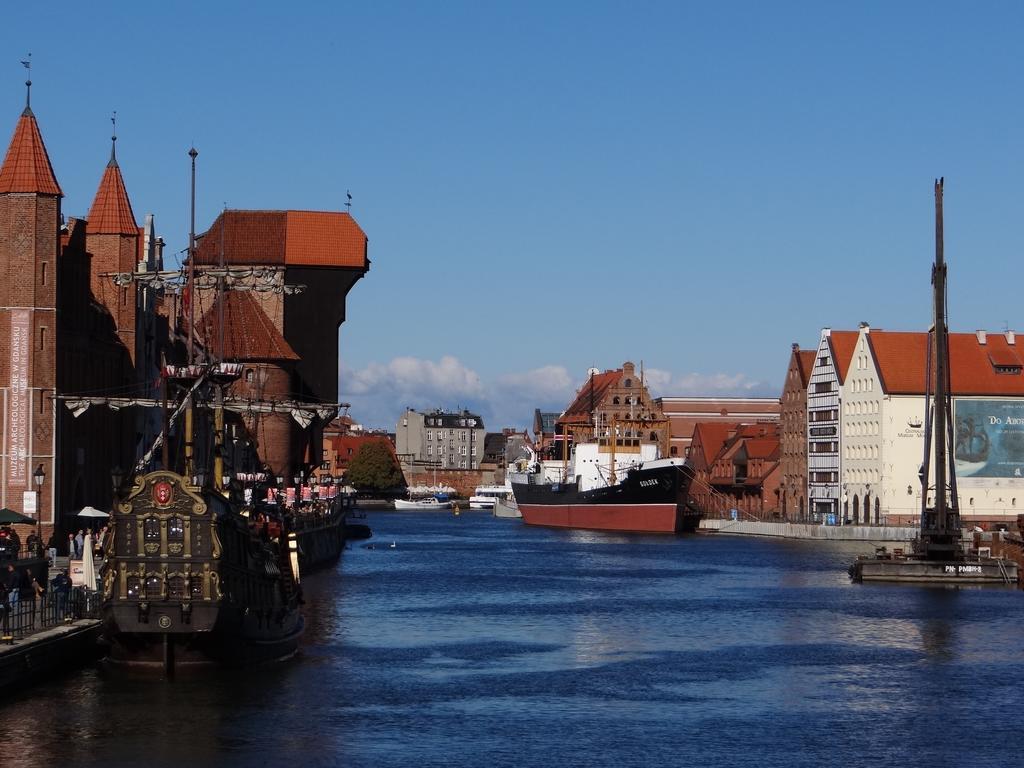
(940, 524)
(189, 426)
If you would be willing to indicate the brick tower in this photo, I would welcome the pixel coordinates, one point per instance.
(112, 238)
(30, 200)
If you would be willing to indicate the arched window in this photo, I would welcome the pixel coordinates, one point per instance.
(615, 400)
(175, 529)
(654, 437)
(629, 382)
(856, 509)
(878, 512)
(151, 529)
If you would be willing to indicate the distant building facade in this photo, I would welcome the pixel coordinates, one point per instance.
(684, 413)
(444, 439)
(614, 401)
(793, 434)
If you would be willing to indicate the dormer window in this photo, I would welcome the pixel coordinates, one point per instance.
(1007, 369)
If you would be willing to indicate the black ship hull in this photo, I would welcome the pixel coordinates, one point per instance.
(650, 499)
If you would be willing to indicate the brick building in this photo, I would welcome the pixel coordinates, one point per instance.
(614, 400)
(793, 435)
(684, 413)
(65, 331)
(736, 468)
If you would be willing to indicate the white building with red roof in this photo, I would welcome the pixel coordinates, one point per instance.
(824, 494)
(883, 410)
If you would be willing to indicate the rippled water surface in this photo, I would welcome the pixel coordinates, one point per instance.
(475, 641)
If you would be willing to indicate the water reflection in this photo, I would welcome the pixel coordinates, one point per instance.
(477, 641)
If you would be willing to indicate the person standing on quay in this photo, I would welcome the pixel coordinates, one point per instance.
(71, 546)
(79, 544)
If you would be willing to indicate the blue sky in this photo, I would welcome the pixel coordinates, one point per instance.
(553, 186)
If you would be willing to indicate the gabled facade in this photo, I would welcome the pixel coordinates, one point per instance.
(793, 434)
(823, 430)
(883, 426)
(615, 400)
(736, 470)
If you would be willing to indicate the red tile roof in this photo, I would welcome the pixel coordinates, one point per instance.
(842, 344)
(901, 359)
(27, 166)
(248, 332)
(711, 436)
(589, 396)
(287, 238)
(805, 364)
(111, 212)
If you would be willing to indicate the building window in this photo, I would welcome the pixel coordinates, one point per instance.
(43, 268)
(175, 529)
(430, 450)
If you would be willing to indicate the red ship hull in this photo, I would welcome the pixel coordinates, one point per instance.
(627, 518)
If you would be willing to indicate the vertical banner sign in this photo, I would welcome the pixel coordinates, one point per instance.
(19, 400)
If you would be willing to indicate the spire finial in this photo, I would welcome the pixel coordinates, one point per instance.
(348, 202)
(113, 140)
(28, 83)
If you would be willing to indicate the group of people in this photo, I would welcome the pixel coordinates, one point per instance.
(76, 543)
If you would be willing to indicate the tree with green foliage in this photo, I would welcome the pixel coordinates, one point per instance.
(374, 468)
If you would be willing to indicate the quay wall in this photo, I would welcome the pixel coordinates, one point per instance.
(45, 653)
(867, 533)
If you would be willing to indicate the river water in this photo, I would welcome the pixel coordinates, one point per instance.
(473, 641)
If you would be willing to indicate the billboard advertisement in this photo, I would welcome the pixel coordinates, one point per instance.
(988, 438)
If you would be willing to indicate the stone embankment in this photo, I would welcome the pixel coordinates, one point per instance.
(864, 533)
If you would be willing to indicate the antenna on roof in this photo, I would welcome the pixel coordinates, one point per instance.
(28, 83)
(348, 202)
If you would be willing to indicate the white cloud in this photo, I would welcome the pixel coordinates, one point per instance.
(380, 392)
(665, 384)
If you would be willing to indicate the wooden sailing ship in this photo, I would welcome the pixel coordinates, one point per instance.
(206, 566)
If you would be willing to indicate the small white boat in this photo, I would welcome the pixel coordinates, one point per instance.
(485, 496)
(507, 508)
(422, 505)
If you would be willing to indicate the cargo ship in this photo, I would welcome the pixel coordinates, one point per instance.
(651, 497)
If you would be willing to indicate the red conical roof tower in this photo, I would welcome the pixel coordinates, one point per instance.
(27, 166)
(111, 212)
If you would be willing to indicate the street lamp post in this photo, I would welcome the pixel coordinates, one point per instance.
(38, 477)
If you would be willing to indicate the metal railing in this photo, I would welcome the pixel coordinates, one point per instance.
(55, 608)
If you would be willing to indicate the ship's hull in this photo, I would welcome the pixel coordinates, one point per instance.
(190, 581)
(648, 500)
(507, 508)
(988, 570)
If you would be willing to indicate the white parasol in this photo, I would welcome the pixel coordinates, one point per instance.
(92, 512)
(88, 566)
